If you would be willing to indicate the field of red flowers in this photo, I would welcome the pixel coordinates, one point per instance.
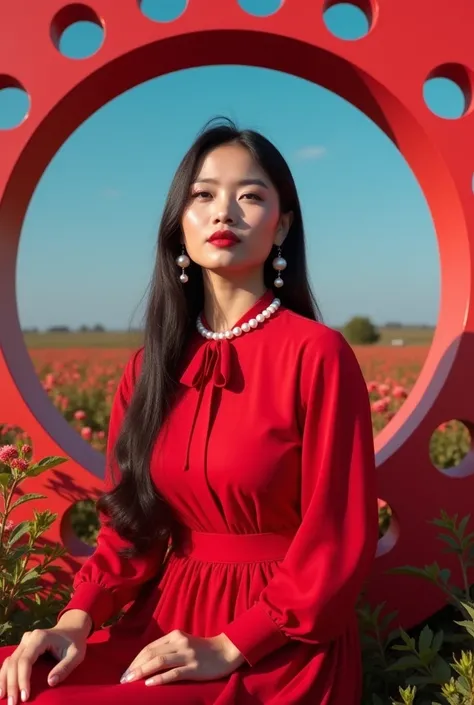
(81, 382)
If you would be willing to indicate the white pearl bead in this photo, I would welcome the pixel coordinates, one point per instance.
(215, 336)
(237, 331)
(209, 334)
(221, 336)
(183, 261)
(277, 302)
(278, 282)
(272, 308)
(253, 323)
(245, 327)
(260, 318)
(184, 278)
(266, 313)
(279, 263)
(229, 335)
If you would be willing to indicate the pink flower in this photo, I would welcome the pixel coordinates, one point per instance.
(26, 449)
(86, 433)
(383, 389)
(8, 453)
(399, 392)
(371, 387)
(101, 435)
(19, 464)
(381, 405)
(79, 415)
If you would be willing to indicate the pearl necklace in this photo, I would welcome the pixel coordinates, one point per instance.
(238, 330)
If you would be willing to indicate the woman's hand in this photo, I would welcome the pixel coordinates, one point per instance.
(180, 656)
(67, 645)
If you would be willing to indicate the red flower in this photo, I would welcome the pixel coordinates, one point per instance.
(79, 415)
(26, 449)
(399, 392)
(8, 453)
(19, 464)
(86, 433)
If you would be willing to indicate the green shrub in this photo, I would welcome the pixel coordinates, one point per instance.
(361, 331)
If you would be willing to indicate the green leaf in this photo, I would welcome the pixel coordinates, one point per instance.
(462, 525)
(27, 498)
(444, 575)
(404, 663)
(424, 642)
(4, 479)
(441, 670)
(30, 575)
(437, 641)
(451, 541)
(469, 607)
(468, 626)
(411, 570)
(51, 461)
(20, 529)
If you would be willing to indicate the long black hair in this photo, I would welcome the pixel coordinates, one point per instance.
(133, 506)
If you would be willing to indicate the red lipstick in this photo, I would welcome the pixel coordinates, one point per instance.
(224, 238)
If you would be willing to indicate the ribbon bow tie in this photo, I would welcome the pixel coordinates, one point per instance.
(211, 363)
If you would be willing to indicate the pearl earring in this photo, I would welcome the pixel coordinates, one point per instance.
(279, 264)
(183, 261)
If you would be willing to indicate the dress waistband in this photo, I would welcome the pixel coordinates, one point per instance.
(232, 548)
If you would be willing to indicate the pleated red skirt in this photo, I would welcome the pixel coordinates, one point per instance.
(207, 581)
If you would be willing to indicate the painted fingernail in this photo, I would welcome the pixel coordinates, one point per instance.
(53, 680)
(127, 677)
(10, 700)
(1, 693)
(23, 696)
(150, 681)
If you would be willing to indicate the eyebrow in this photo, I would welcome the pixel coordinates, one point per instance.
(243, 182)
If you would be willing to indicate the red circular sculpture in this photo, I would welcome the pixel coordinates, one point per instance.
(383, 75)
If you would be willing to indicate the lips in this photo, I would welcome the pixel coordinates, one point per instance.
(224, 238)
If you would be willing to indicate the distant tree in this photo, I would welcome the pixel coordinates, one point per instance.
(83, 329)
(393, 324)
(98, 328)
(59, 329)
(361, 331)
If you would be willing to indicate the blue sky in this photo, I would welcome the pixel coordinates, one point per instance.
(88, 241)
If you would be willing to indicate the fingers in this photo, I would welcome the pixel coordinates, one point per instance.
(176, 674)
(71, 659)
(158, 663)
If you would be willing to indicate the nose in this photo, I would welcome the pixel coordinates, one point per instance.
(224, 213)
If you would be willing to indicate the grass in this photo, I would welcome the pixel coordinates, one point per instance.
(132, 339)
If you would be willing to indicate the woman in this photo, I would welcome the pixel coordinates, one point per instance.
(241, 513)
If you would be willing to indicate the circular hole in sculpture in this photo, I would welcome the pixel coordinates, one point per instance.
(388, 528)
(79, 527)
(448, 91)
(77, 32)
(348, 20)
(450, 448)
(163, 10)
(80, 341)
(261, 8)
(14, 103)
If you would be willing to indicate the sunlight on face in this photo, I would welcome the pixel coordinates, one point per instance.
(232, 195)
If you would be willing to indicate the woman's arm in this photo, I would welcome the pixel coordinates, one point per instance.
(108, 581)
(312, 597)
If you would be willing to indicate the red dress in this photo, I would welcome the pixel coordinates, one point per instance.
(267, 461)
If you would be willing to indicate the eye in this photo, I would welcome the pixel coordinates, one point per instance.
(252, 196)
(201, 195)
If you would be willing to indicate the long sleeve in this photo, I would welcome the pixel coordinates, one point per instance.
(312, 596)
(107, 581)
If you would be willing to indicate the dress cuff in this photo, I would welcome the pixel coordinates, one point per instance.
(255, 634)
(95, 600)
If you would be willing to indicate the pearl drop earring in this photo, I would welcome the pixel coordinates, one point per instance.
(183, 261)
(279, 264)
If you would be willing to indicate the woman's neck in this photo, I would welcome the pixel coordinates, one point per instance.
(225, 301)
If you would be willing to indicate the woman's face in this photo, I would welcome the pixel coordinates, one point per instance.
(232, 196)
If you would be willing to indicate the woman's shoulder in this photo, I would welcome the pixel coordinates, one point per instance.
(314, 337)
